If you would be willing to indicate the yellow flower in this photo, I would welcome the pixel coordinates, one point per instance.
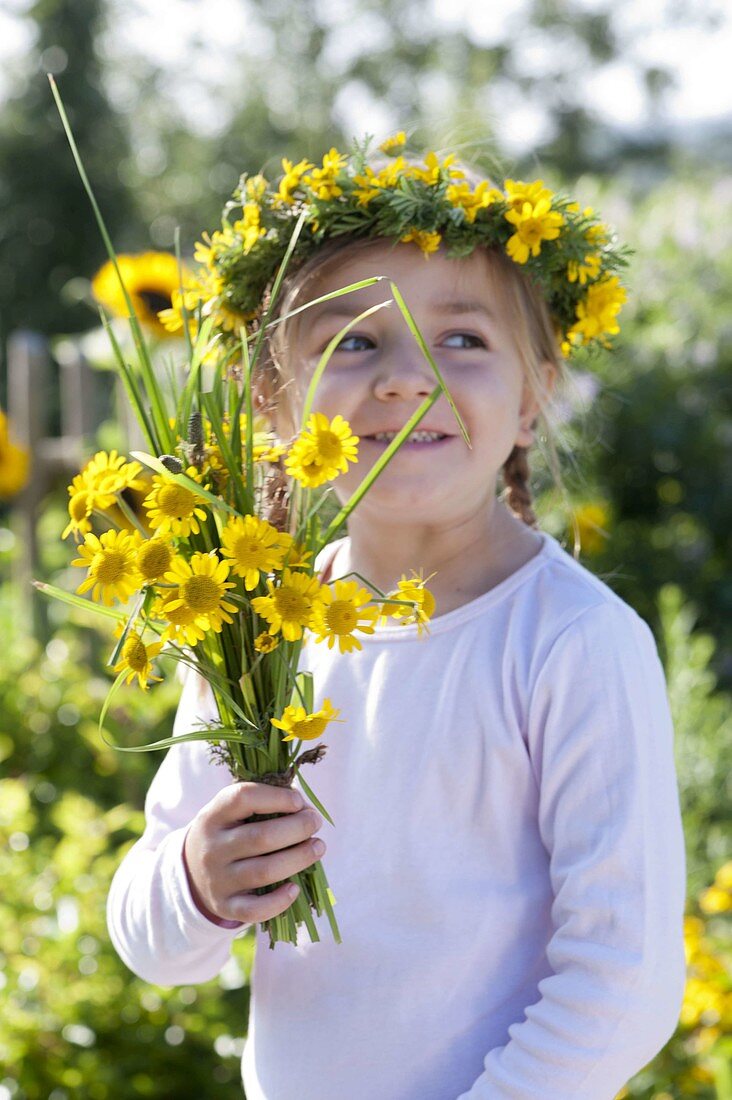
(255, 187)
(14, 462)
(337, 616)
(110, 560)
(588, 268)
(534, 224)
(411, 589)
(150, 278)
(110, 473)
(187, 302)
(394, 144)
(291, 180)
(249, 227)
(265, 643)
(322, 181)
(369, 185)
(202, 588)
(592, 519)
(518, 193)
(597, 312)
(433, 169)
(136, 660)
(461, 195)
(428, 242)
(251, 546)
(296, 556)
(715, 900)
(81, 506)
(289, 605)
(322, 451)
(173, 508)
(301, 726)
(723, 877)
(154, 558)
(183, 622)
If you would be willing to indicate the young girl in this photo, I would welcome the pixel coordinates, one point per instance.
(507, 855)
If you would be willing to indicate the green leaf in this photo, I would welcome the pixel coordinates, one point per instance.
(78, 601)
(182, 479)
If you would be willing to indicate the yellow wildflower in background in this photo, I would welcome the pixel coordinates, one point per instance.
(251, 546)
(288, 607)
(14, 462)
(136, 660)
(336, 615)
(434, 168)
(249, 226)
(592, 520)
(110, 559)
(428, 242)
(322, 450)
(534, 224)
(301, 726)
(202, 586)
(412, 589)
(394, 144)
(151, 279)
(173, 508)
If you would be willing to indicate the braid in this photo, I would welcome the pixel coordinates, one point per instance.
(516, 480)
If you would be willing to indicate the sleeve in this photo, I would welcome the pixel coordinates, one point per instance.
(600, 738)
(153, 922)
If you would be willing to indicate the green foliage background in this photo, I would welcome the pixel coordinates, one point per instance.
(646, 436)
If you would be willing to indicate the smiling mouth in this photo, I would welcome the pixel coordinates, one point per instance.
(413, 437)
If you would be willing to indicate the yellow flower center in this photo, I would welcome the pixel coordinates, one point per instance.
(291, 605)
(79, 506)
(180, 616)
(135, 654)
(341, 617)
(329, 446)
(248, 551)
(154, 559)
(110, 566)
(201, 593)
(175, 500)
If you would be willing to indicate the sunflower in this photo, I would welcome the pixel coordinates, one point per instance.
(173, 508)
(202, 588)
(251, 546)
(301, 726)
(154, 558)
(14, 462)
(289, 605)
(111, 562)
(337, 616)
(411, 589)
(136, 660)
(183, 623)
(322, 450)
(151, 279)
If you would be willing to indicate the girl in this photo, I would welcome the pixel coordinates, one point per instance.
(508, 857)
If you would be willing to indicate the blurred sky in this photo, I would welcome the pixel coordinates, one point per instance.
(194, 43)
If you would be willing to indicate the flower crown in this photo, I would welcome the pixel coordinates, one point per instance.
(571, 255)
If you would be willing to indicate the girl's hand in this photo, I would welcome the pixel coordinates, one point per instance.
(228, 858)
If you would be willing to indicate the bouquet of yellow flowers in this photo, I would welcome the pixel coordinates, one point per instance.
(217, 569)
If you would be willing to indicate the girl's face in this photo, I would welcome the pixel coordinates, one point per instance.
(377, 377)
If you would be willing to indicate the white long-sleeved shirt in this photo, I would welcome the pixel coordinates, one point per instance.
(507, 860)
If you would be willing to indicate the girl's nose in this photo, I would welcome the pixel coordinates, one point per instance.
(403, 375)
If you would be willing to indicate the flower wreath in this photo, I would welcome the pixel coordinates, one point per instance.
(570, 254)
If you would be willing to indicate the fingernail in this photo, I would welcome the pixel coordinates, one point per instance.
(293, 891)
(318, 847)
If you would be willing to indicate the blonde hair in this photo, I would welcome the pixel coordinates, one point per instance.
(535, 337)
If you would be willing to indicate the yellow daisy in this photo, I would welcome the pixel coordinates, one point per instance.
(289, 604)
(136, 660)
(108, 473)
(412, 589)
(251, 546)
(337, 616)
(534, 224)
(202, 588)
(173, 508)
(110, 560)
(265, 643)
(154, 558)
(183, 626)
(301, 726)
(322, 451)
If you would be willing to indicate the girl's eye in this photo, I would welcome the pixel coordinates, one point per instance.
(347, 339)
(467, 336)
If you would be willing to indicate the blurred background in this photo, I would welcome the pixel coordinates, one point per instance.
(628, 105)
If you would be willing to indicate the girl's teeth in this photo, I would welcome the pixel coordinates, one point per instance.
(414, 437)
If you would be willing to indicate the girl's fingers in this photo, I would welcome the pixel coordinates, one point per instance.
(254, 908)
(257, 838)
(239, 801)
(249, 874)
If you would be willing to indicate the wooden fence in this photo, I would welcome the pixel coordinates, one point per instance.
(55, 404)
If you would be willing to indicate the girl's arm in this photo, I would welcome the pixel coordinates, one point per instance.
(601, 742)
(156, 927)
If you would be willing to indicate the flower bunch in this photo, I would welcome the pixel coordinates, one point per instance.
(563, 247)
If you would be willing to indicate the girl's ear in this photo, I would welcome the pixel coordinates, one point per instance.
(530, 405)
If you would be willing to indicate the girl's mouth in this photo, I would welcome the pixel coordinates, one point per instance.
(416, 441)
